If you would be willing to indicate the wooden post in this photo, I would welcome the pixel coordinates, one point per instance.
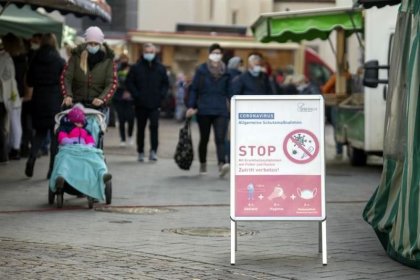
(340, 85)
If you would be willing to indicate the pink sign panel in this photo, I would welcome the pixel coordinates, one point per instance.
(278, 196)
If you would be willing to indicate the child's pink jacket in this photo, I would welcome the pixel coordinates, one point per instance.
(77, 135)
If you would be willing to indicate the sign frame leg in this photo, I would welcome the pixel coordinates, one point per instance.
(233, 241)
(323, 240)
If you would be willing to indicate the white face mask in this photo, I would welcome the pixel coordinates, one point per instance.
(215, 57)
(35, 46)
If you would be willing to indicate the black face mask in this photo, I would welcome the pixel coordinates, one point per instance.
(124, 65)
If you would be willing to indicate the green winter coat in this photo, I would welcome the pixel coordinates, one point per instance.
(100, 82)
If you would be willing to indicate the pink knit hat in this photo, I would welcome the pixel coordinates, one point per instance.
(94, 34)
(77, 115)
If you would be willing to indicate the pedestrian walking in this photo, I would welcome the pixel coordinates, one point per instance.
(254, 81)
(304, 86)
(124, 105)
(181, 88)
(90, 77)
(148, 83)
(43, 80)
(8, 98)
(208, 99)
(14, 46)
(235, 67)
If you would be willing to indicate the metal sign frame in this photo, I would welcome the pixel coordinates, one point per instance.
(320, 153)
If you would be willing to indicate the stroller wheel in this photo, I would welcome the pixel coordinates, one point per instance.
(90, 202)
(108, 192)
(51, 196)
(60, 199)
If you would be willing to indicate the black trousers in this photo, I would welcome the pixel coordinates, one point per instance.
(40, 135)
(125, 113)
(142, 115)
(219, 124)
(27, 132)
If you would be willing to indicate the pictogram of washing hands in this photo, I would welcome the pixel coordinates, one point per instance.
(277, 192)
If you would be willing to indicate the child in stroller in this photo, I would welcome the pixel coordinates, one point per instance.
(79, 167)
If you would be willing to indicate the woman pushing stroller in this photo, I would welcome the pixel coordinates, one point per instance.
(89, 78)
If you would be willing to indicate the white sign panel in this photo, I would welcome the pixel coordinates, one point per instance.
(277, 158)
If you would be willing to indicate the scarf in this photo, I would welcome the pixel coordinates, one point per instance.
(218, 70)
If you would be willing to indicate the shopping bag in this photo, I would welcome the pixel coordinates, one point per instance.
(184, 153)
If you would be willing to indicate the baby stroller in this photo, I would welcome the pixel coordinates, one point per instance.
(82, 167)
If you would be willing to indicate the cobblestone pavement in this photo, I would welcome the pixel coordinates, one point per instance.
(38, 241)
(30, 260)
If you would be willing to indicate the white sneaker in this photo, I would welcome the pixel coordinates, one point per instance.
(140, 157)
(130, 141)
(224, 169)
(153, 156)
(122, 144)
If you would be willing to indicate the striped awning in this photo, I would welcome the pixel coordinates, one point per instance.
(394, 209)
(93, 9)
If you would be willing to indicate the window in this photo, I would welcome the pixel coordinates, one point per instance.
(318, 73)
(235, 17)
(211, 9)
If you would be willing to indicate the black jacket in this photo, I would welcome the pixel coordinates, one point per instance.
(246, 84)
(148, 83)
(44, 76)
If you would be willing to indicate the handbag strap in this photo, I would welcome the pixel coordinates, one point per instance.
(187, 125)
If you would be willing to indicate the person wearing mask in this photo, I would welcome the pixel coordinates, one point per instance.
(43, 80)
(304, 86)
(148, 83)
(235, 67)
(254, 81)
(208, 99)
(123, 103)
(27, 130)
(90, 76)
(8, 98)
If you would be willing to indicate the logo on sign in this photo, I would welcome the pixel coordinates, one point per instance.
(301, 107)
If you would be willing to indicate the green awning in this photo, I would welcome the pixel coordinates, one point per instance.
(306, 25)
(25, 22)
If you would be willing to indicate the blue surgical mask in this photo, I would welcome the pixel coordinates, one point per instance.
(92, 49)
(149, 56)
(255, 71)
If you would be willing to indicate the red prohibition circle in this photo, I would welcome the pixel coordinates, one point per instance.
(311, 156)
